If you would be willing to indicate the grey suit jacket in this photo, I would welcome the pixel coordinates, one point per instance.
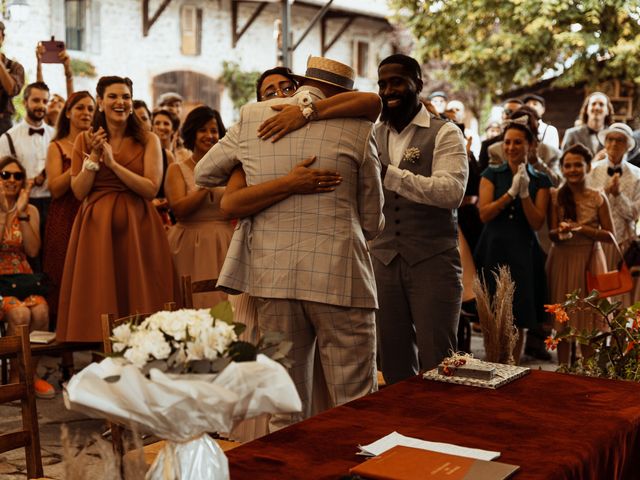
(306, 247)
(579, 135)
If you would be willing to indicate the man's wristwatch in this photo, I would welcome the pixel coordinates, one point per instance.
(24, 218)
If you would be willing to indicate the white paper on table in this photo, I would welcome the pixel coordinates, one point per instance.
(393, 439)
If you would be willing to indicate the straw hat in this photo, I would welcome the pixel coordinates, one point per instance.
(330, 72)
(618, 127)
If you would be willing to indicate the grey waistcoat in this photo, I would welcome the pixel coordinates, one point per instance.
(413, 230)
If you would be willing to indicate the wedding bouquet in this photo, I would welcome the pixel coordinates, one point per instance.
(179, 375)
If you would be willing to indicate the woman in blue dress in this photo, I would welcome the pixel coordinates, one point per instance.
(513, 204)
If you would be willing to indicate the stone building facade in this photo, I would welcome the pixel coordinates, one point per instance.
(185, 47)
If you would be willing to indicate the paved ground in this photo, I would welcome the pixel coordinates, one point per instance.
(53, 415)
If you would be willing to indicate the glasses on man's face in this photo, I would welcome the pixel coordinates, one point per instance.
(17, 176)
(285, 91)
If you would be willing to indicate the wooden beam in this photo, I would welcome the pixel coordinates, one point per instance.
(147, 22)
(336, 37)
(237, 35)
(318, 16)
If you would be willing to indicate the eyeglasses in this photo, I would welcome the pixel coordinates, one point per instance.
(5, 175)
(285, 91)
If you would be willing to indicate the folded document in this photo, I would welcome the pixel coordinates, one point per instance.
(394, 439)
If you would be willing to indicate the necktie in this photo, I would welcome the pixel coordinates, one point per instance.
(613, 170)
(39, 131)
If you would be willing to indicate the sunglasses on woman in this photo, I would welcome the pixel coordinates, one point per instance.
(17, 176)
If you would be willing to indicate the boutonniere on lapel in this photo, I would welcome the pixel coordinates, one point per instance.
(411, 155)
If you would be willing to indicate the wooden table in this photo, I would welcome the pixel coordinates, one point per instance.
(554, 426)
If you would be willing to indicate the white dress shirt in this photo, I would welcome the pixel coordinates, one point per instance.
(31, 151)
(449, 170)
(625, 207)
(548, 134)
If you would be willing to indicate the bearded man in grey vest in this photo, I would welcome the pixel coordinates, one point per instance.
(416, 258)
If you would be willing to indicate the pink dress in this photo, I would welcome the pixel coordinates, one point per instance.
(567, 261)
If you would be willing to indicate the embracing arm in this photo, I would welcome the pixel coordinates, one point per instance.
(239, 200)
(147, 184)
(181, 202)
(344, 105)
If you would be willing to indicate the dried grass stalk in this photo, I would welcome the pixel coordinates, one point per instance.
(79, 464)
(496, 316)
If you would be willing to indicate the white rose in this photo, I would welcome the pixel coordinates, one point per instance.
(136, 356)
(156, 345)
(305, 99)
(120, 337)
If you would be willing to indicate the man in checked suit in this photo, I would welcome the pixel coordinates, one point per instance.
(416, 258)
(310, 267)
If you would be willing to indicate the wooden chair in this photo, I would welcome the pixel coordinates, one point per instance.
(18, 349)
(109, 322)
(64, 350)
(189, 288)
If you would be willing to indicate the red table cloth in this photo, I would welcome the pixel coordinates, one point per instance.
(555, 426)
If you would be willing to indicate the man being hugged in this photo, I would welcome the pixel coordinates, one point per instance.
(416, 258)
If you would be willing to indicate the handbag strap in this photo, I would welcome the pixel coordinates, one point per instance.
(615, 244)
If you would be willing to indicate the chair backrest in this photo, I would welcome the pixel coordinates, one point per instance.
(18, 349)
(109, 322)
(189, 288)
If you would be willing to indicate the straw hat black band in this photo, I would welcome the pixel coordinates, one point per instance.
(329, 77)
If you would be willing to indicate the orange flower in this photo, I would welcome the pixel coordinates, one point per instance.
(630, 346)
(558, 312)
(551, 343)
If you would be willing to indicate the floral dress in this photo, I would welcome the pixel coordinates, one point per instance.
(13, 260)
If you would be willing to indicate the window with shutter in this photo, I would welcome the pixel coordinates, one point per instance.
(191, 29)
(361, 58)
(75, 13)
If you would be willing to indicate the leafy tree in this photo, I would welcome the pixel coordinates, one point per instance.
(241, 85)
(496, 45)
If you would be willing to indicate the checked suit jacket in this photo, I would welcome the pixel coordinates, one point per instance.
(306, 247)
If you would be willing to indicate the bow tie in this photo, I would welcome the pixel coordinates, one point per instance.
(613, 170)
(39, 131)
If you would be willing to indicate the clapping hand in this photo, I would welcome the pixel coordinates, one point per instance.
(614, 185)
(524, 181)
(23, 197)
(4, 203)
(96, 141)
(514, 189)
(107, 155)
(288, 119)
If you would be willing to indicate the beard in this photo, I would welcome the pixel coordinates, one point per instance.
(36, 115)
(406, 108)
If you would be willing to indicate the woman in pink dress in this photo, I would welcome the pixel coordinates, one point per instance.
(579, 219)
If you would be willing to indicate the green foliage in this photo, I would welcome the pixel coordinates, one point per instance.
(241, 85)
(497, 45)
(82, 68)
(617, 347)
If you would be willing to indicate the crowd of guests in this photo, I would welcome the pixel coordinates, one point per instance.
(349, 236)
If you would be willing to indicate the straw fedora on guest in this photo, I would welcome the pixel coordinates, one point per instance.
(330, 72)
(618, 127)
